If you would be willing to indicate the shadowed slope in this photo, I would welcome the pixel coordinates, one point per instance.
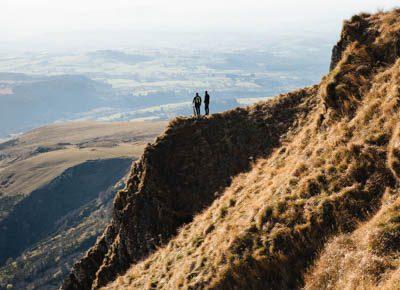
(36, 216)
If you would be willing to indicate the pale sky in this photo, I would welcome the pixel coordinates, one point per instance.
(22, 21)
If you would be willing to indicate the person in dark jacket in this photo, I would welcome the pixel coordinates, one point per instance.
(197, 104)
(207, 103)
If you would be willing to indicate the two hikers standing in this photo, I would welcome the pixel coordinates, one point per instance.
(197, 103)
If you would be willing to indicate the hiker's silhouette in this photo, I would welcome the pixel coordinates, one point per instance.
(207, 103)
(197, 104)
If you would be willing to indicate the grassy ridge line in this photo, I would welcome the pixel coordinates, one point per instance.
(161, 195)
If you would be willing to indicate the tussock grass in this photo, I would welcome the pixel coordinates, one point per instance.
(364, 259)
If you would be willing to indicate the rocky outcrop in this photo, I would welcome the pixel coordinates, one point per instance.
(180, 175)
(368, 45)
(356, 29)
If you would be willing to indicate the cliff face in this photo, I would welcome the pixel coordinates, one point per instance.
(272, 186)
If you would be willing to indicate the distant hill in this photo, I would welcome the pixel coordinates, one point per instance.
(38, 100)
(39, 88)
(57, 184)
(300, 191)
(119, 56)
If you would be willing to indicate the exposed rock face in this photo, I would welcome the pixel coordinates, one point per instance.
(180, 175)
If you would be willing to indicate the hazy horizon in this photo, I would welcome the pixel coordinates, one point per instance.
(128, 60)
(45, 25)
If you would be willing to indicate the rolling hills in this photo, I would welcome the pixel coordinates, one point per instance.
(57, 184)
(30, 101)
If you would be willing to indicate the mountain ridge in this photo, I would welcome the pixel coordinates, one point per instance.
(331, 165)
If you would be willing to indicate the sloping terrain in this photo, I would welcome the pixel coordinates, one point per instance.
(297, 192)
(58, 183)
(161, 196)
(38, 215)
(38, 156)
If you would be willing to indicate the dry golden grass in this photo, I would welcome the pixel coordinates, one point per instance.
(39, 156)
(365, 259)
(332, 190)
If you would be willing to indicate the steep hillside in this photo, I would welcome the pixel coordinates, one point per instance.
(161, 195)
(300, 191)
